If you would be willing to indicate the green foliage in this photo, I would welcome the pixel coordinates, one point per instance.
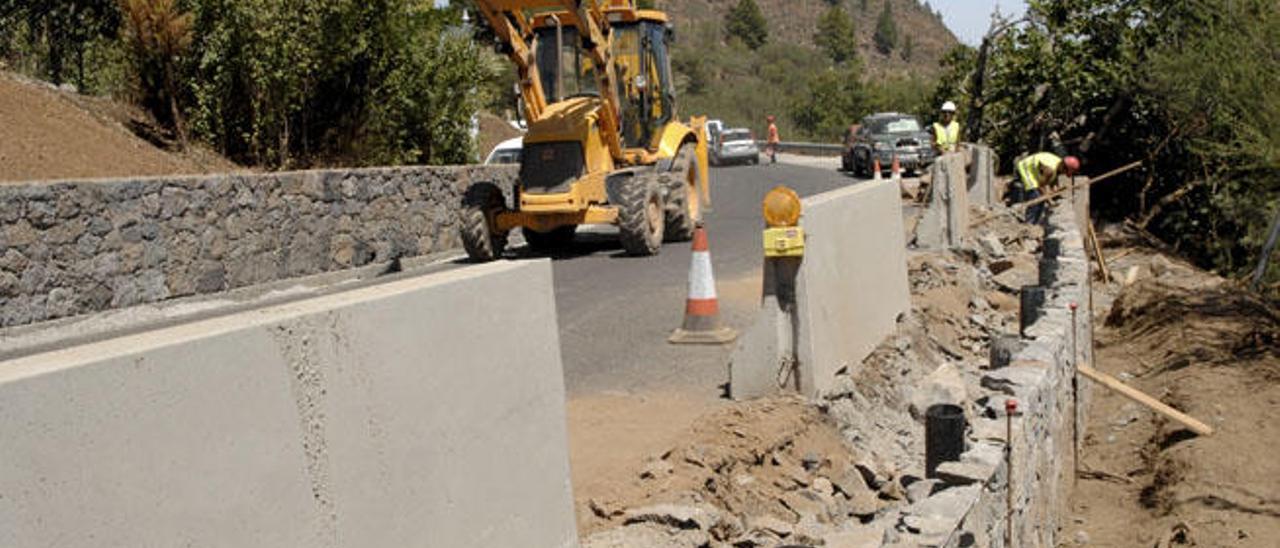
(63, 41)
(746, 22)
(274, 83)
(836, 36)
(1191, 87)
(297, 82)
(833, 99)
(886, 35)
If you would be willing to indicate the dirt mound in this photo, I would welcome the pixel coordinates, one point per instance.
(55, 134)
(1200, 344)
(1215, 325)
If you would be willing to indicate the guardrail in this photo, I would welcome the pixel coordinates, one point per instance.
(807, 149)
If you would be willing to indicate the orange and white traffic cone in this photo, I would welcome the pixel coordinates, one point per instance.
(875, 169)
(702, 308)
(897, 170)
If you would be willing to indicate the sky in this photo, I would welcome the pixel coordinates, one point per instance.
(969, 19)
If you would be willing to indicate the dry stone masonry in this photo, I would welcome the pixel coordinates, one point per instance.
(72, 247)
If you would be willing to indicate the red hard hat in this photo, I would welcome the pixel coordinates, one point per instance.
(1072, 163)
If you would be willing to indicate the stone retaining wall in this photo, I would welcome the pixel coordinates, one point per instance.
(1039, 379)
(72, 247)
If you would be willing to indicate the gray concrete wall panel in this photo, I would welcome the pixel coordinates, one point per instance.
(852, 284)
(404, 414)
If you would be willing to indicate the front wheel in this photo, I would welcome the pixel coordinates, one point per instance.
(641, 220)
(480, 205)
(683, 208)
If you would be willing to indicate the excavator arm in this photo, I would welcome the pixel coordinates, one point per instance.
(511, 23)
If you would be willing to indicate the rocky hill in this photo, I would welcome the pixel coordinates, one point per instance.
(795, 21)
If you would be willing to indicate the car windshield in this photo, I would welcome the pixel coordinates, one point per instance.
(904, 124)
(731, 136)
(505, 156)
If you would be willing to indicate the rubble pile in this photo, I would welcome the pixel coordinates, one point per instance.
(848, 469)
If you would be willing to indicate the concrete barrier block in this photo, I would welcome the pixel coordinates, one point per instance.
(945, 220)
(852, 285)
(410, 413)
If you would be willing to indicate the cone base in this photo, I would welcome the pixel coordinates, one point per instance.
(715, 336)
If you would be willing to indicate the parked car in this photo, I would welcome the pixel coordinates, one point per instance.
(507, 152)
(735, 146)
(884, 136)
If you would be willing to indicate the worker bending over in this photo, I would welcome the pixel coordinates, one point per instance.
(1041, 170)
(946, 134)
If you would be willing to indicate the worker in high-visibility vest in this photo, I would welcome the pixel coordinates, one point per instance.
(946, 133)
(1041, 170)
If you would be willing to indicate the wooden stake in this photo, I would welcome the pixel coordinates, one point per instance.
(1097, 254)
(1155, 405)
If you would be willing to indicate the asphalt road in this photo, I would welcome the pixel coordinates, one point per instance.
(615, 312)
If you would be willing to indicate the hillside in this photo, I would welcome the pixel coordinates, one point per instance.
(794, 22)
(791, 78)
(55, 134)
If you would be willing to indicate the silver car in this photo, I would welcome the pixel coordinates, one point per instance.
(735, 146)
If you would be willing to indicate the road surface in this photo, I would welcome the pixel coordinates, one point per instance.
(615, 312)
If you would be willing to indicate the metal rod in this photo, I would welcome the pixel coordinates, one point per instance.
(1075, 398)
(1010, 407)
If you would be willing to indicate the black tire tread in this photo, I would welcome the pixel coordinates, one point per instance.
(633, 226)
(478, 204)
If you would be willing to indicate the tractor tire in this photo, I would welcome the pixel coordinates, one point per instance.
(684, 206)
(480, 204)
(641, 221)
(558, 238)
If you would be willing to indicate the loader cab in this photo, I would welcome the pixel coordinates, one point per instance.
(642, 67)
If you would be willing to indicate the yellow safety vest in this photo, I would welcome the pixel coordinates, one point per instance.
(947, 136)
(1029, 168)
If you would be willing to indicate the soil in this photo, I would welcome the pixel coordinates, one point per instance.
(493, 130)
(55, 134)
(1205, 346)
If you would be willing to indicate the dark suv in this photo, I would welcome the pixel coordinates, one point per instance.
(883, 136)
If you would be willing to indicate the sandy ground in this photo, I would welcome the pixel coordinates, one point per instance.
(52, 134)
(1212, 350)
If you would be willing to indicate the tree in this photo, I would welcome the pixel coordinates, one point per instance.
(1191, 88)
(836, 36)
(908, 47)
(886, 35)
(833, 100)
(158, 34)
(747, 23)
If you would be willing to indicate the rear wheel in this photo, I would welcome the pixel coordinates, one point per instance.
(480, 205)
(683, 207)
(641, 221)
(557, 238)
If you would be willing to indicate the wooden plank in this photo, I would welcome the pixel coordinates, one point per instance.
(1155, 405)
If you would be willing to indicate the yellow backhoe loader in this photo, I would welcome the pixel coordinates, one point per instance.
(604, 145)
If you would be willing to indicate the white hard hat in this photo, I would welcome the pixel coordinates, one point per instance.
(948, 107)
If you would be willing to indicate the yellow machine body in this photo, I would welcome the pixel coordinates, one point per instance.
(595, 122)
